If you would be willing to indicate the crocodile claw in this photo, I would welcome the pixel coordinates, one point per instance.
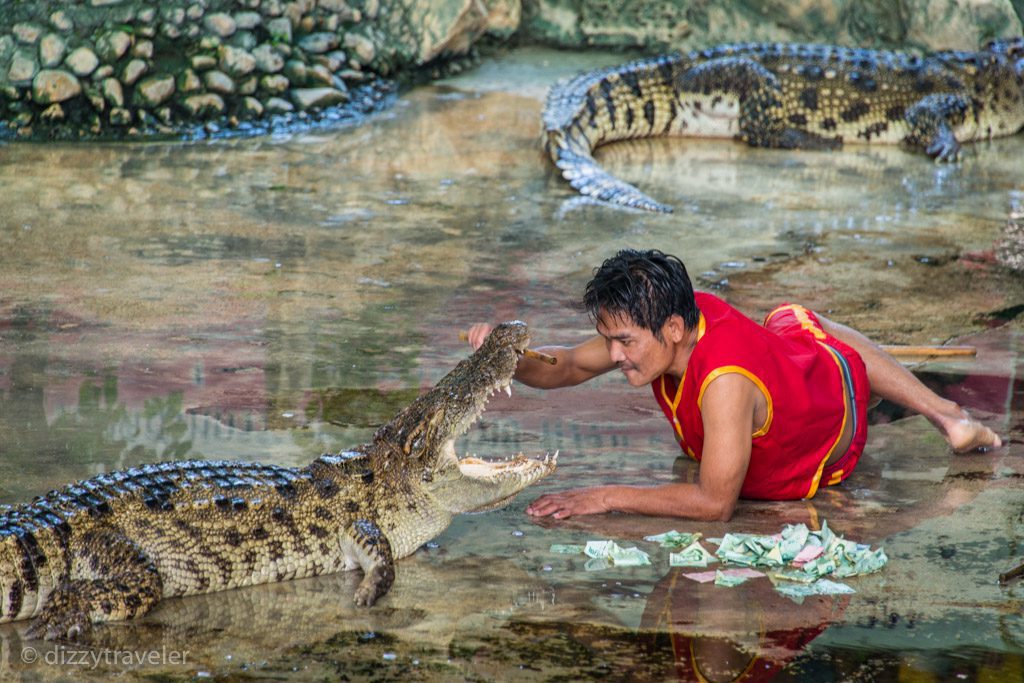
(69, 626)
(944, 149)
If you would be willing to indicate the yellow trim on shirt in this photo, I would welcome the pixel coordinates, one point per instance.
(736, 369)
(673, 403)
(842, 428)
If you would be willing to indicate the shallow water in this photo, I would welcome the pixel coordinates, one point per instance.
(277, 297)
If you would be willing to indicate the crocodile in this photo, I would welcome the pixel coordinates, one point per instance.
(111, 547)
(787, 96)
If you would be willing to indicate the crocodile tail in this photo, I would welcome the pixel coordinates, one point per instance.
(18, 591)
(33, 558)
(619, 103)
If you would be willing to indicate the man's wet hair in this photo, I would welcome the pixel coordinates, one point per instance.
(647, 287)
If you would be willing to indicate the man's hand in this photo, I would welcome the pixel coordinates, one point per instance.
(477, 333)
(565, 504)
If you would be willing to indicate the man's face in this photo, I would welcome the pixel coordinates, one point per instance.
(638, 353)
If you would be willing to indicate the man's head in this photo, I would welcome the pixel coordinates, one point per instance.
(642, 303)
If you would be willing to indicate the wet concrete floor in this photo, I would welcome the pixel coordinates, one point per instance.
(277, 297)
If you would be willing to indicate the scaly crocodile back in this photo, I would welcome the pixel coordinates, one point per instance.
(206, 525)
(787, 96)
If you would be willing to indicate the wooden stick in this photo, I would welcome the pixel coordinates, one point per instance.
(900, 350)
(537, 355)
(1011, 574)
(527, 353)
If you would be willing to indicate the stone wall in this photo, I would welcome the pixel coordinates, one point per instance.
(110, 68)
(660, 25)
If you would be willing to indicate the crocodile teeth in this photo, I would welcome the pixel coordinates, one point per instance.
(508, 390)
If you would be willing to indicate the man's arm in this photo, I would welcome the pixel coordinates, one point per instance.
(574, 364)
(728, 410)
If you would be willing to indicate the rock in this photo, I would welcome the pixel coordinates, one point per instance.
(362, 46)
(61, 21)
(338, 6)
(318, 43)
(317, 98)
(112, 45)
(112, 91)
(294, 11)
(271, 8)
(96, 99)
(268, 60)
(154, 90)
(195, 12)
(219, 82)
(330, 23)
(248, 86)
(170, 31)
(174, 15)
(274, 84)
(251, 108)
(295, 70)
(143, 49)
(220, 24)
(207, 104)
(102, 72)
(27, 33)
(280, 30)
(954, 24)
(245, 40)
(53, 113)
(82, 61)
(247, 21)
(203, 62)
(120, 117)
(236, 61)
(335, 60)
(52, 48)
(24, 67)
(319, 74)
(188, 81)
(276, 105)
(146, 15)
(133, 70)
(54, 85)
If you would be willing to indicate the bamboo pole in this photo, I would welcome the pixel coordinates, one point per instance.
(944, 351)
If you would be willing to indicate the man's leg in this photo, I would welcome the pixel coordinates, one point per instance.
(892, 381)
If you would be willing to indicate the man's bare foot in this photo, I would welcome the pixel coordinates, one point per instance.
(966, 434)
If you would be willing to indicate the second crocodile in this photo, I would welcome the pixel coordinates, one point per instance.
(787, 96)
(109, 548)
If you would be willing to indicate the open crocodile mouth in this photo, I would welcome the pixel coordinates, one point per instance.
(518, 470)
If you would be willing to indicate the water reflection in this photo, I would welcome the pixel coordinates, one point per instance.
(273, 298)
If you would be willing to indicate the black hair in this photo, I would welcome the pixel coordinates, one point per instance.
(648, 287)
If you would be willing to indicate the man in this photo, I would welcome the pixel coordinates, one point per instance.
(770, 412)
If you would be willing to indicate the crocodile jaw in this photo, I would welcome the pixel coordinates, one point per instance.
(472, 484)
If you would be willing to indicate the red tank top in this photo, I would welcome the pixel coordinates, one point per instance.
(800, 380)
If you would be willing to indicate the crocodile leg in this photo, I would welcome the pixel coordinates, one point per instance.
(373, 552)
(760, 97)
(931, 122)
(111, 579)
